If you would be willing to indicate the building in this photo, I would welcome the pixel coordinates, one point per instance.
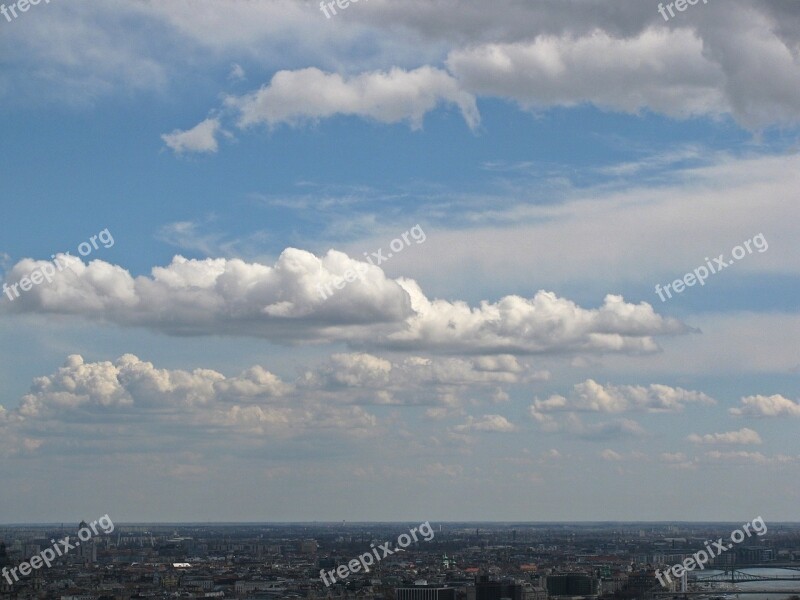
(571, 584)
(644, 581)
(497, 590)
(425, 592)
(754, 554)
(87, 551)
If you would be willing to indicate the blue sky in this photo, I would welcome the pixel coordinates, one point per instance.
(561, 158)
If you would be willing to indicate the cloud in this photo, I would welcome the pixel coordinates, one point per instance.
(487, 423)
(610, 455)
(621, 56)
(590, 396)
(237, 72)
(767, 406)
(113, 405)
(388, 97)
(131, 395)
(675, 457)
(352, 371)
(554, 238)
(678, 460)
(560, 414)
(283, 303)
(743, 436)
(626, 74)
(202, 138)
(439, 382)
(572, 425)
(738, 456)
(188, 236)
(741, 457)
(607, 430)
(542, 324)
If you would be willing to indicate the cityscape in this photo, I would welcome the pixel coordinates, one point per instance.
(473, 561)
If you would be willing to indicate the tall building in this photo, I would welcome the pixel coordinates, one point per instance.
(4, 561)
(485, 589)
(425, 592)
(87, 551)
(571, 584)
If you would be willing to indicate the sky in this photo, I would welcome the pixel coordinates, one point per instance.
(414, 260)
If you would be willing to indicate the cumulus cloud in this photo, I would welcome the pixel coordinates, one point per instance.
(440, 382)
(743, 436)
(622, 55)
(388, 97)
(133, 395)
(749, 458)
(199, 139)
(544, 323)
(767, 406)
(617, 60)
(573, 426)
(673, 457)
(610, 455)
(605, 430)
(487, 423)
(738, 456)
(357, 370)
(626, 74)
(109, 405)
(284, 303)
(560, 414)
(590, 396)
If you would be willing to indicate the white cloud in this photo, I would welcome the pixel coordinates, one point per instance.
(541, 324)
(737, 456)
(130, 395)
(388, 97)
(767, 406)
(605, 430)
(590, 396)
(237, 72)
(487, 423)
(610, 455)
(353, 370)
(200, 138)
(284, 303)
(673, 457)
(626, 74)
(743, 436)
(572, 425)
(621, 55)
(557, 240)
(440, 382)
(742, 457)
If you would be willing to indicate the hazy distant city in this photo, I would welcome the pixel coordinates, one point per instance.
(474, 561)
